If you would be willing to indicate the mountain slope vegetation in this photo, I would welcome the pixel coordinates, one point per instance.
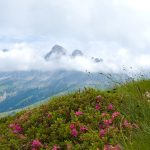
(89, 119)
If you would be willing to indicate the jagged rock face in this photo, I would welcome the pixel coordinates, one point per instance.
(76, 53)
(57, 51)
(97, 60)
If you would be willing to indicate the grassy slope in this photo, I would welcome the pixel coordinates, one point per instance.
(129, 100)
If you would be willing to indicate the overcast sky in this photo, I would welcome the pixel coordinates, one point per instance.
(116, 30)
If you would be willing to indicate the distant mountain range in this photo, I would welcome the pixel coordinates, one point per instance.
(24, 88)
(58, 51)
(21, 89)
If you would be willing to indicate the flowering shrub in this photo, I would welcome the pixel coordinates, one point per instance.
(36, 144)
(16, 128)
(76, 121)
(74, 132)
(78, 113)
(83, 129)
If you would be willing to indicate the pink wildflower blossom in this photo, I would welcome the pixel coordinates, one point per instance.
(83, 128)
(16, 128)
(102, 132)
(97, 107)
(104, 114)
(11, 125)
(127, 124)
(72, 126)
(115, 114)
(78, 113)
(36, 144)
(108, 122)
(110, 107)
(74, 132)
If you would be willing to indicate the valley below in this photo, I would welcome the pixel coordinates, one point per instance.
(24, 88)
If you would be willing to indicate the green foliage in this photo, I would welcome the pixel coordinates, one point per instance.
(50, 122)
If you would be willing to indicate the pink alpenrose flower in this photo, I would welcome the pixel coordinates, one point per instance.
(72, 126)
(16, 128)
(97, 107)
(108, 122)
(78, 113)
(83, 129)
(102, 132)
(36, 143)
(127, 124)
(115, 114)
(74, 132)
(104, 114)
(110, 107)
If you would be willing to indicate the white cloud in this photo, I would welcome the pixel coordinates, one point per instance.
(24, 57)
(116, 30)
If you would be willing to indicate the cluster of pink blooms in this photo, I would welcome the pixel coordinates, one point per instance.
(97, 107)
(16, 128)
(102, 132)
(110, 107)
(83, 129)
(108, 122)
(104, 114)
(36, 144)
(115, 114)
(72, 126)
(74, 131)
(78, 113)
(104, 126)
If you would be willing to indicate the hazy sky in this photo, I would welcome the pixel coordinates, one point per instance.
(116, 30)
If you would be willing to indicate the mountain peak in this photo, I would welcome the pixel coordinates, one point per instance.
(5, 50)
(56, 50)
(97, 60)
(76, 53)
